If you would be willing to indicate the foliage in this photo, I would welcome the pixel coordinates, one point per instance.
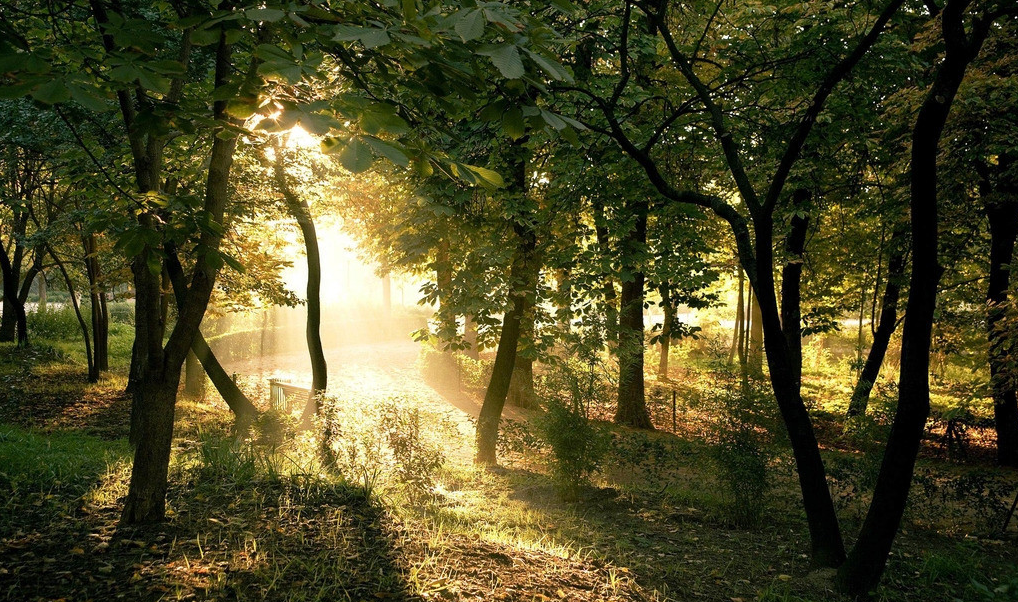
(386, 445)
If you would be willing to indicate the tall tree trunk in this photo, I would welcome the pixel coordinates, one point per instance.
(93, 374)
(668, 322)
(521, 386)
(611, 308)
(97, 300)
(755, 353)
(42, 292)
(1002, 213)
(740, 319)
(505, 355)
(244, 411)
(13, 308)
(523, 296)
(194, 377)
(300, 211)
(888, 323)
(865, 564)
(631, 409)
(156, 390)
(791, 282)
(828, 548)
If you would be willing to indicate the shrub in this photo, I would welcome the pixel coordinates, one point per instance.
(578, 445)
(55, 324)
(274, 427)
(382, 443)
(121, 312)
(415, 460)
(739, 427)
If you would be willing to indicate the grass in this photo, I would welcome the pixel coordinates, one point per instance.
(265, 519)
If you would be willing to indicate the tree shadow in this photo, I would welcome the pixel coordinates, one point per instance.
(263, 540)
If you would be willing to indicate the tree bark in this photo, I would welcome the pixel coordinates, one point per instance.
(93, 374)
(885, 329)
(13, 308)
(1002, 213)
(97, 300)
(300, 211)
(865, 564)
(244, 411)
(505, 355)
(156, 390)
(755, 353)
(828, 548)
(791, 282)
(740, 319)
(523, 296)
(194, 377)
(631, 409)
(521, 386)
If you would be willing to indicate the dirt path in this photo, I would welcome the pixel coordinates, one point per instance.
(374, 372)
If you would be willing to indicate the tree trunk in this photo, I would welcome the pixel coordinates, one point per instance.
(93, 374)
(97, 299)
(888, 323)
(505, 355)
(42, 292)
(244, 411)
(791, 281)
(522, 292)
(828, 548)
(300, 211)
(15, 327)
(1002, 214)
(156, 390)
(865, 564)
(740, 319)
(521, 386)
(194, 377)
(667, 324)
(755, 353)
(611, 309)
(631, 409)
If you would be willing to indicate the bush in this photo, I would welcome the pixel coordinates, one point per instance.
(438, 367)
(121, 312)
(740, 450)
(55, 324)
(382, 444)
(273, 428)
(578, 445)
(415, 460)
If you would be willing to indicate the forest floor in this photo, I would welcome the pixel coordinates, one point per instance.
(258, 522)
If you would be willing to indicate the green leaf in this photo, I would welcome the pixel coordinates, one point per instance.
(373, 38)
(470, 25)
(513, 124)
(387, 150)
(89, 99)
(267, 15)
(356, 156)
(550, 67)
(52, 92)
(233, 263)
(507, 59)
(491, 177)
(409, 10)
